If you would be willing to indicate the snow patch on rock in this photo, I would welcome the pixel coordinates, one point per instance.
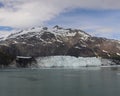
(104, 51)
(118, 54)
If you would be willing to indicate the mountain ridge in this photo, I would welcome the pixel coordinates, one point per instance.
(42, 41)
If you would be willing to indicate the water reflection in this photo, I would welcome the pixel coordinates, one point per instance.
(112, 68)
(29, 78)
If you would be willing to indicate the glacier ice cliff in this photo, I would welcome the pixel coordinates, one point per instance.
(70, 62)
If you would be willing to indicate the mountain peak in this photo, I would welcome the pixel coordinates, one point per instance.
(56, 30)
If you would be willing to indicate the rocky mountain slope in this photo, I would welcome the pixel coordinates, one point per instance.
(43, 41)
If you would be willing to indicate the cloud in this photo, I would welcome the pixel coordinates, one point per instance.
(27, 13)
(107, 32)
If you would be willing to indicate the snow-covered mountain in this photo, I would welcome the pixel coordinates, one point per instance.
(57, 31)
(43, 41)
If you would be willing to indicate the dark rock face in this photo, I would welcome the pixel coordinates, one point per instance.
(47, 36)
(83, 52)
(5, 57)
(58, 41)
(24, 61)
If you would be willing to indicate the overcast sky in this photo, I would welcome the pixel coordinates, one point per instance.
(97, 17)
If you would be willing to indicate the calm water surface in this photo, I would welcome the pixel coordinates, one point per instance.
(60, 82)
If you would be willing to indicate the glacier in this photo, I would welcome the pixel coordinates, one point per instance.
(69, 62)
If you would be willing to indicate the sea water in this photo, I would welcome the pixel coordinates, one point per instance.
(60, 82)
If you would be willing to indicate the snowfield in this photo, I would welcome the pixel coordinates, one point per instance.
(69, 62)
(4, 35)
